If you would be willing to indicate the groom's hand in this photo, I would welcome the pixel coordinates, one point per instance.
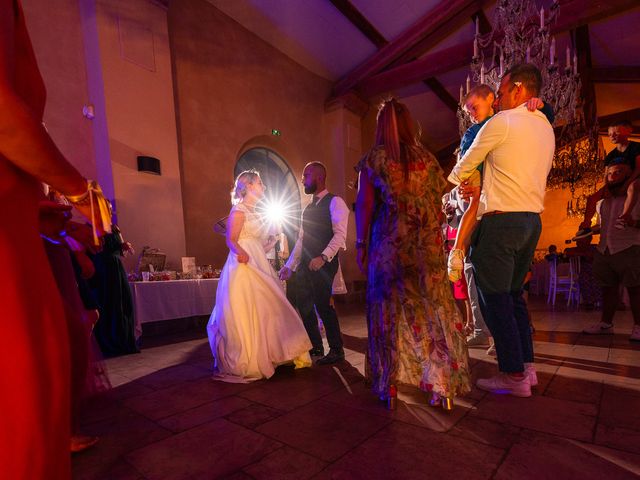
(285, 274)
(316, 263)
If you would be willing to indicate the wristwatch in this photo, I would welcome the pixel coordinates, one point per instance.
(325, 258)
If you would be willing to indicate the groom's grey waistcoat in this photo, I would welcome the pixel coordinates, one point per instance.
(318, 230)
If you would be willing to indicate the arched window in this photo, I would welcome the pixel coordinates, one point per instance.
(281, 183)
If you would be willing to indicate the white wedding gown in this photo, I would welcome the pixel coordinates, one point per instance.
(253, 328)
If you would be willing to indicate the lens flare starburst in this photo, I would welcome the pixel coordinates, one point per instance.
(279, 211)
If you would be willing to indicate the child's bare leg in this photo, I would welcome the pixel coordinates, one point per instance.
(468, 224)
(590, 210)
(629, 202)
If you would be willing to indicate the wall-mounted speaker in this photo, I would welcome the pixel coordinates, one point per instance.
(149, 165)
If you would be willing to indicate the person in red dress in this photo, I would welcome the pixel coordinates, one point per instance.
(34, 351)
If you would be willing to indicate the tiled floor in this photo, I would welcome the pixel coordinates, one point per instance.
(166, 418)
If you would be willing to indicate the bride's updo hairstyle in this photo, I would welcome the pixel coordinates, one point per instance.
(240, 186)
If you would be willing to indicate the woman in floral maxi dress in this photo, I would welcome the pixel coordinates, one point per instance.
(415, 330)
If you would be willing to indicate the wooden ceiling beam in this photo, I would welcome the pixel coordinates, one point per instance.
(588, 93)
(433, 21)
(606, 120)
(361, 23)
(485, 24)
(616, 74)
(428, 66)
(574, 14)
(442, 93)
(351, 13)
(436, 86)
(438, 34)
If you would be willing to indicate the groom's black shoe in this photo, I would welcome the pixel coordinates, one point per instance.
(333, 356)
(316, 352)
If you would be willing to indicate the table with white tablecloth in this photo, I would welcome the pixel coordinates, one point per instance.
(171, 299)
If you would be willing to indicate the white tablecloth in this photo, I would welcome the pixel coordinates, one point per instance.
(153, 301)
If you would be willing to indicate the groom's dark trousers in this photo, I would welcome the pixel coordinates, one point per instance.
(314, 290)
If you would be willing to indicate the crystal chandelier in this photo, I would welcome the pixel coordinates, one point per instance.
(522, 34)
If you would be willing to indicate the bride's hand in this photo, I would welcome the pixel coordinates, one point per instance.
(243, 257)
(285, 273)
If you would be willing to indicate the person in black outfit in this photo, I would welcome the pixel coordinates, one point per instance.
(314, 258)
(114, 330)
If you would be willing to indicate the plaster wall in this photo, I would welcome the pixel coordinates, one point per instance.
(138, 91)
(56, 34)
(231, 90)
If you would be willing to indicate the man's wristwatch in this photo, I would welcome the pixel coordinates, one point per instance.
(325, 258)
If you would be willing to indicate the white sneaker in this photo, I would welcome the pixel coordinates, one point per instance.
(635, 334)
(455, 264)
(599, 328)
(503, 383)
(530, 371)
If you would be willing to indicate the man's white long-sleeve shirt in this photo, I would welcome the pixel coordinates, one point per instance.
(517, 148)
(339, 222)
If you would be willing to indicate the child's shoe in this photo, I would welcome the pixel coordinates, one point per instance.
(455, 265)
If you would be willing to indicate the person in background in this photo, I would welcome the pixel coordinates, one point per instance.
(617, 260)
(553, 254)
(115, 328)
(626, 152)
(62, 252)
(477, 332)
(415, 329)
(459, 287)
(590, 291)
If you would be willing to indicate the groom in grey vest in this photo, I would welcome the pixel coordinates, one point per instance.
(315, 259)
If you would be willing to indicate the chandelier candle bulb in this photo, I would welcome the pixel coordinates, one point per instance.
(461, 94)
(475, 48)
(528, 54)
(482, 74)
(541, 18)
(501, 63)
(468, 83)
(575, 63)
(568, 58)
(552, 51)
(477, 26)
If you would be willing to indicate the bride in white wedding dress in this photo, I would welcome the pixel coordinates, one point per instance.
(253, 328)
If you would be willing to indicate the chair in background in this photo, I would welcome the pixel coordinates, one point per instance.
(567, 284)
(538, 280)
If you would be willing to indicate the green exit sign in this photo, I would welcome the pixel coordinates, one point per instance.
(276, 132)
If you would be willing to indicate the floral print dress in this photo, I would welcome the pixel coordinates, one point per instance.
(415, 328)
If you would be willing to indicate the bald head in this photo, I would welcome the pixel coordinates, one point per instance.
(314, 177)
